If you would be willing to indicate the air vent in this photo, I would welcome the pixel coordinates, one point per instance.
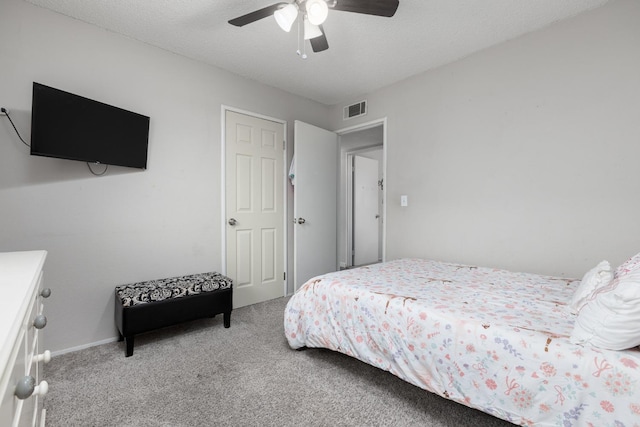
(355, 110)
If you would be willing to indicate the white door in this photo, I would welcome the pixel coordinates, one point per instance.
(314, 202)
(254, 208)
(366, 216)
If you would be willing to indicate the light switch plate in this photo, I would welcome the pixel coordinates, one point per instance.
(404, 200)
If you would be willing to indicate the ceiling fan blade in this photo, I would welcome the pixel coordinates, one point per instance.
(256, 15)
(320, 43)
(385, 8)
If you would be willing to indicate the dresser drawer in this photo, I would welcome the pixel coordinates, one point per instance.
(31, 407)
(20, 284)
(31, 332)
(10, 407)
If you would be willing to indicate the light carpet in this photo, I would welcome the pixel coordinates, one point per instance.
(201, 374)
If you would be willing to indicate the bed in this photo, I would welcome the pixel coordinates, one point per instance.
(491, 339)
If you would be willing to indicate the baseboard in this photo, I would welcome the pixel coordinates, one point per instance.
(83, 346)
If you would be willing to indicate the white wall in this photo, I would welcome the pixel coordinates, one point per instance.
(523, 156)
(128, 225)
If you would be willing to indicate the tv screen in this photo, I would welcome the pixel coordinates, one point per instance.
(69, 126)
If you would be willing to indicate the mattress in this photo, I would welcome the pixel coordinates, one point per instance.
(491, 339)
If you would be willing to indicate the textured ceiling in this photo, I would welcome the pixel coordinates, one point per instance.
(365, 52)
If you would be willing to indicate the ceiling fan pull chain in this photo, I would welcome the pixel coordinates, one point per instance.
(298, 51)
(301, 35)
(302, 51)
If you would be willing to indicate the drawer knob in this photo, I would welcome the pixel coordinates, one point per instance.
(40, 321)
(44, 357)
(27, 387)
(41, 389)
(46, 293)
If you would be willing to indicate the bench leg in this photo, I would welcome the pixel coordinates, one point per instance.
(227, 319)
(128, 341)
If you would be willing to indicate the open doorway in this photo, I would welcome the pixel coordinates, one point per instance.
(361, 196)
(365, 204)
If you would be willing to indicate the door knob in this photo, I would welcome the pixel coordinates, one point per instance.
(300, 220)
(232, 221)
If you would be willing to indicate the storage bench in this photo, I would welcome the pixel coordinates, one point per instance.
(145, 306)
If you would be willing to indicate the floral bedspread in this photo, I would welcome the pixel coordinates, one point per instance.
(490, 339)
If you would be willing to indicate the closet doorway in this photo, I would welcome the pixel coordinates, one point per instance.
(361, 227)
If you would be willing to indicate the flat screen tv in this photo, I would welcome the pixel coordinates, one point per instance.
(69, 126)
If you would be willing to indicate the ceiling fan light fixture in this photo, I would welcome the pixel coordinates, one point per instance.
(286, 16)
(311, 31)
(317, 11)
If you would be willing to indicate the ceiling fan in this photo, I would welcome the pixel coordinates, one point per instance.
(311, 14)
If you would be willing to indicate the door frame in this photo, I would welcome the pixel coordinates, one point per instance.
(223, 182)
(364, 126)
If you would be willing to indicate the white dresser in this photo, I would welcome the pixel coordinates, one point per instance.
(21, 323)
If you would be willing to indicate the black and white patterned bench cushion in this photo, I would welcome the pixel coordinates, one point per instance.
(174, 287)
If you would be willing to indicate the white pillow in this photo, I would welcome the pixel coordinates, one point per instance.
(598, 276)
(612, 319)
